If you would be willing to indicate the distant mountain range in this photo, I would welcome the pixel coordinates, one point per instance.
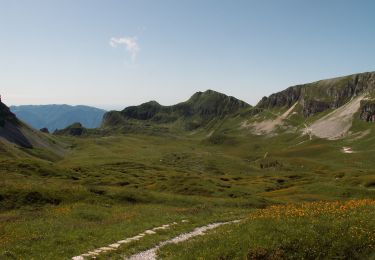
(55, 117)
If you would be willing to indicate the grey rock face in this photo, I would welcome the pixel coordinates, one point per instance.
(312, 107)
(284, 98)
(322, 95)
(368, 111)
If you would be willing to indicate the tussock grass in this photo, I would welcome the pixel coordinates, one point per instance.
(112, 187)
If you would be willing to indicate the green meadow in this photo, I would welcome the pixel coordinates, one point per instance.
(107, 188)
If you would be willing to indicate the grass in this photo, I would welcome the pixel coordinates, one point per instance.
(60, 232)
(318, 230)
(107, 188)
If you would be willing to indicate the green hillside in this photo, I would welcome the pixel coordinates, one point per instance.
(210, 159)
(201, 109)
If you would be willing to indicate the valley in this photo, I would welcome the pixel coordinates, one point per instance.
(207, 160)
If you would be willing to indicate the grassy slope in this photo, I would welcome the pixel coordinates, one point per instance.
(322, 230)
(110, 188)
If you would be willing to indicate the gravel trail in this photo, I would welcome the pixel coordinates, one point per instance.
(151, 254)
(114, 246)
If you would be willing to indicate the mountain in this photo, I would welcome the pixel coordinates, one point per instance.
(324, 94)
(58, 116)
(326, 108)
(198, 111)
(15, 132)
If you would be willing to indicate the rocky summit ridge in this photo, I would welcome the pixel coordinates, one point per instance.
(327, 94)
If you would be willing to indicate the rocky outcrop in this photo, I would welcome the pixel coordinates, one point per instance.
(284, 98)
(312, 107)
(322, 95)
(75, 129)
(44, 130)
(6, 115)
(367, 110)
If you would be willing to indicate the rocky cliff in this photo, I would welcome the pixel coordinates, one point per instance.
(322, 95)
(367, 110)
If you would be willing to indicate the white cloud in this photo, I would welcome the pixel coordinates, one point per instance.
(130, 44)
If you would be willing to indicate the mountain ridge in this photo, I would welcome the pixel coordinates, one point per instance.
(321, 95)
(197, 111)
(209, 110)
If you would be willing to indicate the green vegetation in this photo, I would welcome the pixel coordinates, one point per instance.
(321, 230)
(109, 188)
(197, 161)
(200, 110)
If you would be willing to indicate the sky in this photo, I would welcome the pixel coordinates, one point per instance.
(112, 54)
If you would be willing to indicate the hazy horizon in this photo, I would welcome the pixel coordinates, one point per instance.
(110, 54)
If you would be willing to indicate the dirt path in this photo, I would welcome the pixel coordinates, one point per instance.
(114, 246)
(151, 254)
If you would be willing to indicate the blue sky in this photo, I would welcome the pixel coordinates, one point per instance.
(111, 53)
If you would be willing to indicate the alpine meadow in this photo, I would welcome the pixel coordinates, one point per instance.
(214, 176)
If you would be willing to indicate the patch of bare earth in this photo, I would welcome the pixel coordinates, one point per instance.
(268, 126)
(336, 124)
